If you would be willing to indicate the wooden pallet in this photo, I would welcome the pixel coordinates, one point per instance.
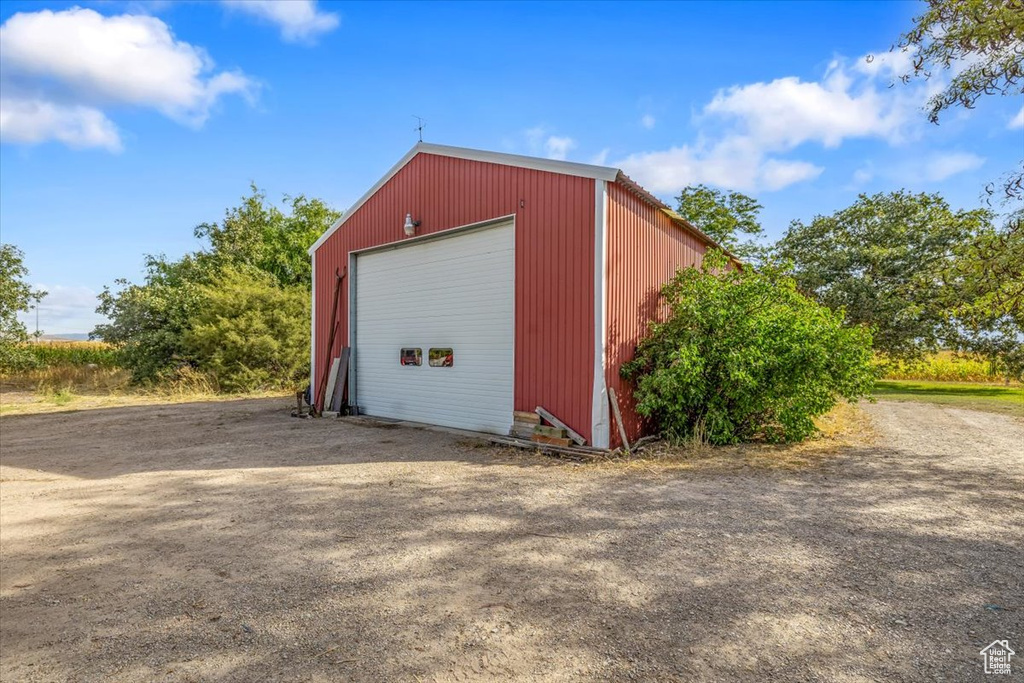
(523, 423)
(572, 452)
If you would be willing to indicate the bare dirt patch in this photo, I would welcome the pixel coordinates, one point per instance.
(18, 400)
(227, 541)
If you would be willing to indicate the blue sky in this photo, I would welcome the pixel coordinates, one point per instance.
(125, 124)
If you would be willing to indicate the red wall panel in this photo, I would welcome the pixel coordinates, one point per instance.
(554, 349)
(645, 248)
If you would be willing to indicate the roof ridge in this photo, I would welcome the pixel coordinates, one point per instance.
(605, 173)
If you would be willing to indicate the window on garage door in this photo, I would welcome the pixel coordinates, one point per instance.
(411, 357)
(442, 358)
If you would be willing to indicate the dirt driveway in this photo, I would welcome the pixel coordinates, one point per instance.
(231, 542)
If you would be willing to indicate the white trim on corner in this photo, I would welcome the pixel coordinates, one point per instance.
(600, 427)
(515, 320)
(602, 173)
(352, 280)
(312, 335)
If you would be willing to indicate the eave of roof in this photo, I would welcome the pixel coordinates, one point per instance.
(678, 219)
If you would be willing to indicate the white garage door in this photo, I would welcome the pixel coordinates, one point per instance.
(434, 330)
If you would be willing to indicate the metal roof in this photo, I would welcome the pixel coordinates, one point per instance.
(606, 173)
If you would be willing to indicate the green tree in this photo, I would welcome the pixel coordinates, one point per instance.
(150, 321)
(251, 333)
(725, 217)
(981, 44)
(879, 260)
(261, 235)
(983, 296)
(16, 296)
(743, 355)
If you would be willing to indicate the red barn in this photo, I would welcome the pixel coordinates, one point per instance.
(472, 283)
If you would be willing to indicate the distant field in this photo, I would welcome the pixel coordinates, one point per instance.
(945, 366)
(53, 353)
(976, 396)
(81, 375)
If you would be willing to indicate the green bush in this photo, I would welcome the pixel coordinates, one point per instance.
(153, 324)
(251, 334)
(742, 356)
(15, 297)
(16, 357)
(147, 322)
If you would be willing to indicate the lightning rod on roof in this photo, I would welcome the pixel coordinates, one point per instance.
(420, 127)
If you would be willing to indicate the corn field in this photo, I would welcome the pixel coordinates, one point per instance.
(54, 354)
(944, 366)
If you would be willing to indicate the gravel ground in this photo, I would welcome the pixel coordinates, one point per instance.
(230, 542)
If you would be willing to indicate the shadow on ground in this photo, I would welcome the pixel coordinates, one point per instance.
(228, 542)
(246, 434)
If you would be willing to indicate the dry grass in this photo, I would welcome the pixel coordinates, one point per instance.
(26, 403)
(845, 427)
(78, 378)
(79, 387)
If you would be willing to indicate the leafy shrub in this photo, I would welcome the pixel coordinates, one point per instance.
(16, 357)
(148, 321)
(154, 324)
(15, 297)
(742, 355)
(250, 333)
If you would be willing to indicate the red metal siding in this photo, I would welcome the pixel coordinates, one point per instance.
(554, 348)
(645, 248)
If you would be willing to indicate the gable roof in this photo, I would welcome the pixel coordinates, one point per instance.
(572, 168)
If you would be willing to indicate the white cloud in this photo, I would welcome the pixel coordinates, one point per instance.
(601, 158)
(917, 170)
(862, 176)
(788, 112)
(890, 65)
(558, 147)
(775, 174)
(743, 129)
(69, 66)
(64, 310)
(935, 167)
(647, 121)
(31, 121)
(733, 163)
(1017, 121)
(942, 166)
(541, 142)
(299, 20)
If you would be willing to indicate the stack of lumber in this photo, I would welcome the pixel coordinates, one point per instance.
(529, 431)
(335, 391)
(552, 436)
(566, 431)
(523, 424)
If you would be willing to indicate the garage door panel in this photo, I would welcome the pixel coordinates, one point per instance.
(458, 293)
